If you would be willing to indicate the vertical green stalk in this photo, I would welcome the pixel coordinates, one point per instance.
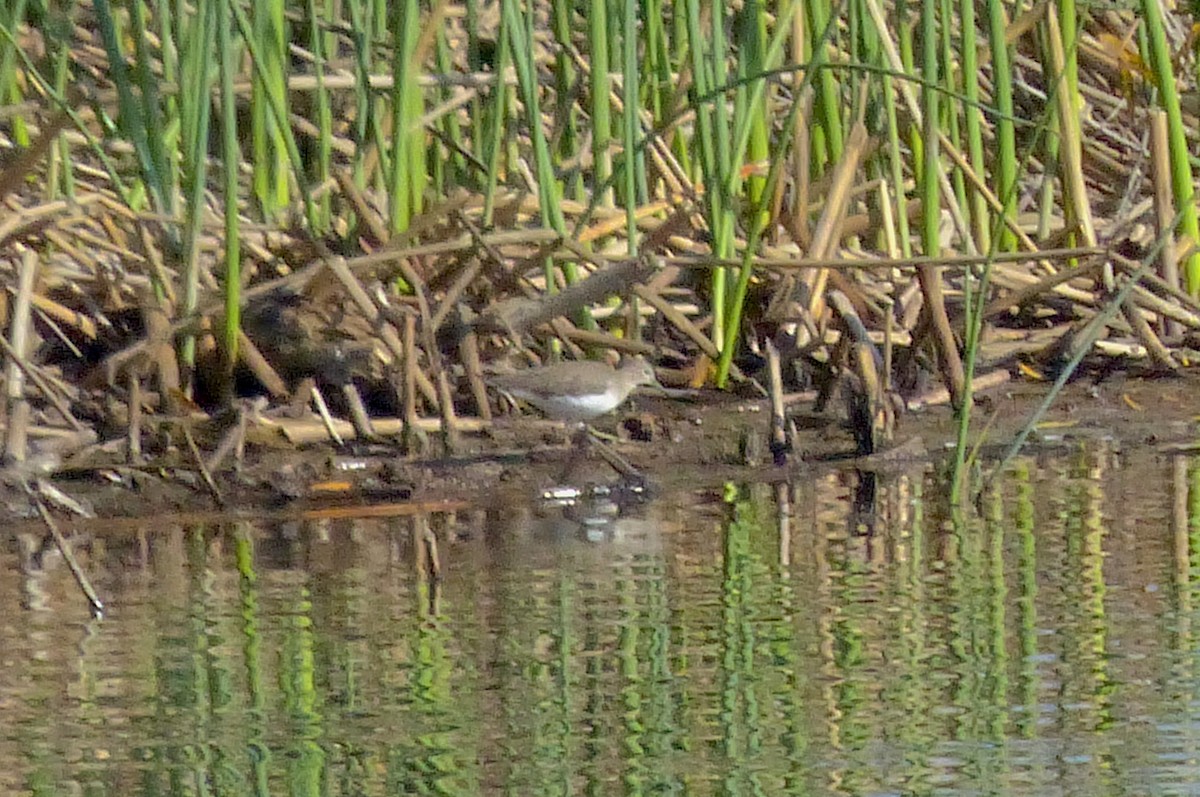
(1068, 82)
(520, 30)
(708, 101)
(828, 104)
(168, 58)
(132, 121)
(750, 101)
(498, 115)
(895, 157)
(378, 61)
(904, 37)
(1046, 202)
(601, 91)
(156, 134)
(564, 86)
(980, 220)
(724, 223)
(656, 61)
(231, 158)
(195, 47)
(319, 44)
(853, 78)
(751, 124)
(1004, 174)
(475, 65)
(1181, 169)
(129, 112)
(61, 175)
(631, 155)
(198, 40)
(270, 33)
(1069, 22)
(452, 126)
(681, 146)
(549, 193)
(950, 110)
(279, 115)
(1051, 150)
(361, 16)
(931, 205)
(701, 87)
(12, 17)
(407, 184)
(757, 210)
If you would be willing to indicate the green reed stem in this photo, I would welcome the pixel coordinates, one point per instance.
(12, 18)
(975, 308)
(498, 114)
(930, 194)
(475, 62)
(320, 43)
(407, 180)
(566, 109)
(774, 173)
(601, 90)
(280, 117)
(751, 135)
(520, 30)
(1004, 174)
(631, 156)
(829, 100)
(131, 196)
(973, 124)
(950, 114)
(895, 162)
(1179, 150)
(681, 146)
(709, 57)
(130, 120)
(656, 62)
(61, 172)
(269, 32)
(231, 158)
(725, 224)
(198, 52)
(366, 122)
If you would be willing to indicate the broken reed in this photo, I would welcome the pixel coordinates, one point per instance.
(731, 103)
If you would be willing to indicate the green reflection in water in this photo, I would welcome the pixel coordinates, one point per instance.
(257, 748)
(1024, 525)
(739, 717)
(760, 639)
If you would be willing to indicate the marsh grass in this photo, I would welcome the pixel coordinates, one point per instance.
(615, 117)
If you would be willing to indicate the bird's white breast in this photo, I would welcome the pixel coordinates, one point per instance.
(575, 408)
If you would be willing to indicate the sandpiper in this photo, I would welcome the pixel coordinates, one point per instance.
(576, 391)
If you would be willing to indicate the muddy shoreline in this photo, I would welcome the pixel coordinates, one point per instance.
(676, 445)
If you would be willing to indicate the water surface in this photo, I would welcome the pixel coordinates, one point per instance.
(816, 638)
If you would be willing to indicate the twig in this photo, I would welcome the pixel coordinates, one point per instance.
(43, 385)
(205, 475)
(85, 584)
(778, 418)
(327, 419)
(16, 440)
